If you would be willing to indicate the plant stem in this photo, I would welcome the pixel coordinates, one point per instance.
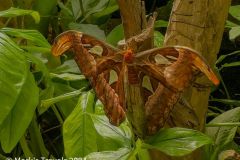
(36, 143)
(52, 128)
(25, 148)
(58, 115)
(48, 102)
(233, 124)
(7, 22)
(223, 84)
(136, 150)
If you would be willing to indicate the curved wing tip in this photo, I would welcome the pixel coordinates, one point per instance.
(215, 81)
(54, 52)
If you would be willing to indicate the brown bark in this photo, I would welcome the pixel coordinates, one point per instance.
(132, 17)
(197, 24)
(134, 21)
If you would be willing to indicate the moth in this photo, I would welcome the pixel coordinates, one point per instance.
(169, 70)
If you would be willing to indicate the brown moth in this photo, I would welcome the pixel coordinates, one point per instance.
(171, 68)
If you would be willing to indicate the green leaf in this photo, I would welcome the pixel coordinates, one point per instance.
(68, 66)
(234, 33)
(115, 35)
(65, 9)
(89, 7)
(230, 24)
(47, 9)
(224, 135)
(13, 12)
(39, 66)
(74, 80)
(177, 141)
(121, 135)
(36, 43)
(111, 7)
(18, 93)
(158, 39)
(234, 11)
(32, 35)
(121, 154)
(79, 135)
(99, 108)
(160, 23)
(46, 103)
(90, 29)
(223, 57)
(233, 64)
(139, 152)
(108, 142)
(227, 101)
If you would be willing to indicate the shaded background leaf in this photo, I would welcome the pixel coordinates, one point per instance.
(90, 29)
(13, 12)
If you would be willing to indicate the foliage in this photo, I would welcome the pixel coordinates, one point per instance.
(224, 135)
(48, 108)
(224, 108)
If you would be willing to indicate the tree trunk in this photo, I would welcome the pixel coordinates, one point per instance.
(134, 21)
(197, 24)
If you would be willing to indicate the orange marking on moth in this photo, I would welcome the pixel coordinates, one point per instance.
(128, 56)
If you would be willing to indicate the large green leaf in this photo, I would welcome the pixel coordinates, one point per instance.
(18, 93)
(13, 12)
(32, 35)
(79, 135)
(177, 141)
(114, 137)
(121, 154)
